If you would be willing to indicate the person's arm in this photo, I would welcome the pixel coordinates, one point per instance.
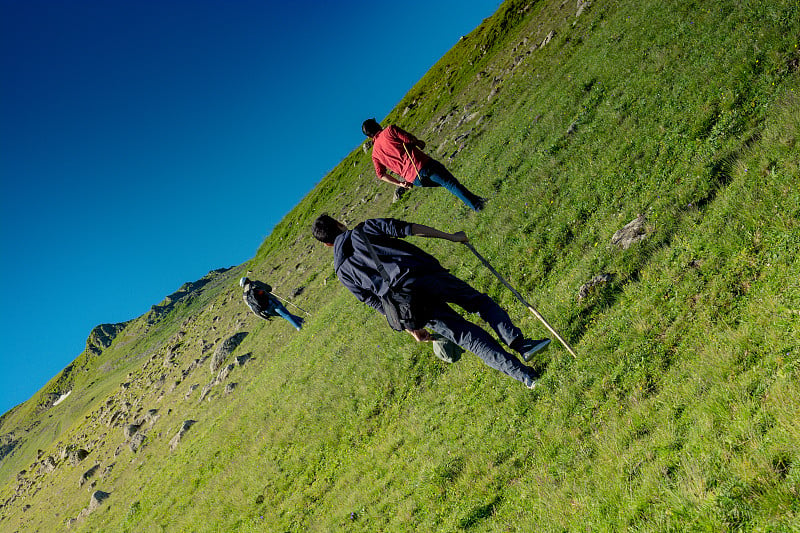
(383, 175)
(368, 298)
(420, 335)
(408, 138)
(362, 295)
(392, 181)
(419, 230)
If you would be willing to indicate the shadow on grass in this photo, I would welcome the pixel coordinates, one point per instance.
(480, 513)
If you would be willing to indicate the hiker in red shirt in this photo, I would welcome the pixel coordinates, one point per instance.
(397, 150)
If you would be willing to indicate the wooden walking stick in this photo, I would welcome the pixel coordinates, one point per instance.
(521, 299)
(290, 303)
(412, 161)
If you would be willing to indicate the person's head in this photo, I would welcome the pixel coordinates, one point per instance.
(370, 127)
(244, 282)
(325, 229)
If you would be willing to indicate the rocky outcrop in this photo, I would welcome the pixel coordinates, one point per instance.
(185, 294)
(7, 444)
(223, 374)
(88, 474)
(225, 349)
(181, 432)
(102, 336)
(590, 286)
(136, 442)
(152, 416)
(242, 359)
(130, 430)
(76, 456)
(97, 499)
(48, 465)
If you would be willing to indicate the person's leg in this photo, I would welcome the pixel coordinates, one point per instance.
(434, 174)
(282, 312)
(451, 289)
(475, 339)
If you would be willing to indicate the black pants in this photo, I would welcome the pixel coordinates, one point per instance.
(440, 290)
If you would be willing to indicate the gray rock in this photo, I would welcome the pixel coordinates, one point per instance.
(115, 418)
(242, 359)
(633, 232)
(223, 374)
(136, 442)
(49, 465)
(152, 416)
(181, 432)
(586, 288)
(192, 388)
(76, 456)
(225, 349)
(88, 474)
(398, 194)
(98, 497)
(205, 392)
(131, 430)
(7, 443)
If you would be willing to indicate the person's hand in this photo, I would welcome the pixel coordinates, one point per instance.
(407, 185)
(459, 236)
(420, 335)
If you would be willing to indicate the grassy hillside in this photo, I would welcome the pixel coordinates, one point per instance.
(680, 412)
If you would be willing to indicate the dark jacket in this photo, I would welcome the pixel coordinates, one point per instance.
(259, 299)
(404, 262)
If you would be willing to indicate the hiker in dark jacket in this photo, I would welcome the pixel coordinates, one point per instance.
(410, 267)
(397, 150)
(259, 298)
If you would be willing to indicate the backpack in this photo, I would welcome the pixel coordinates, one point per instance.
(401, 305)
(260, 308)
(402, 309)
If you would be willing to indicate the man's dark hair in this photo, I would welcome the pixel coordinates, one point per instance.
(370, 127)
(326, 229)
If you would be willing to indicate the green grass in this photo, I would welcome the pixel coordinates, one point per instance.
(681, 410)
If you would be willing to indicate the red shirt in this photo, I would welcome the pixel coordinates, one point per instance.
(388, 153)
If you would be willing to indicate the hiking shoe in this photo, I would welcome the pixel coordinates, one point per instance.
(528, 347)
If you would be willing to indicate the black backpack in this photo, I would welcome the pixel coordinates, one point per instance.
(401, 305)
(258, 307)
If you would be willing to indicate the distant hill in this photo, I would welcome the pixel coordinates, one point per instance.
(680, 411)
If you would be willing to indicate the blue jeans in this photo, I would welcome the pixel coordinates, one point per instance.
(277, 309)
(441, 289)
(434, 174)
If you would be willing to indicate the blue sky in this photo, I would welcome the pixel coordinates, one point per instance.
(144, 143)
